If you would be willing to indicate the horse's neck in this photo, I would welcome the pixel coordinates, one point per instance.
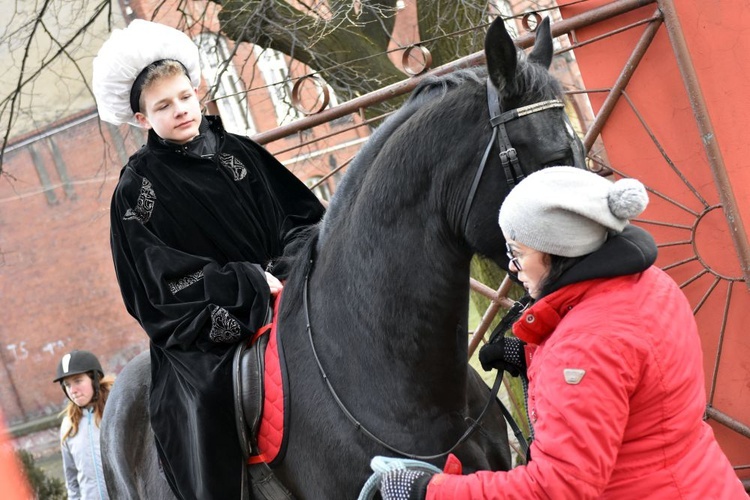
(405, 302)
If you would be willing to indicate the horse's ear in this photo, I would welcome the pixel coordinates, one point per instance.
(542, 52)
(501, 54)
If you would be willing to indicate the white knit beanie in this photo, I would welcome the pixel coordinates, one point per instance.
(568, 211)
(126, 53)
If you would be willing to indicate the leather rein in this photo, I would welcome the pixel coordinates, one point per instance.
(358, 425)
(514, 174)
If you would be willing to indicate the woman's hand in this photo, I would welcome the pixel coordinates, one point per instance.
(506, 353)
(401, 484)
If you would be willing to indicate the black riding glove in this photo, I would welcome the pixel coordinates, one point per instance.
(506, 353)
(401, 484)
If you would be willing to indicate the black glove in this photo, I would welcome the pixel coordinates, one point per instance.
(402, 484)
(506, 353)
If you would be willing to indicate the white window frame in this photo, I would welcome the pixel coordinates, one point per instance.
(274, 67)
(225, 83)
(504, 10)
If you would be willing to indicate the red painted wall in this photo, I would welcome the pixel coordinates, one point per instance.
(686, 215)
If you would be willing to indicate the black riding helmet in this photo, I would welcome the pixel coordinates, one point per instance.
(76, 362)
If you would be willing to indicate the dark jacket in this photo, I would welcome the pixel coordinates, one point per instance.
(192, 229)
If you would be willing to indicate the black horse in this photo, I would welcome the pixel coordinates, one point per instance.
(383, 283)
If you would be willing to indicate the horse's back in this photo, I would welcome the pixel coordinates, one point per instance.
(129, 459)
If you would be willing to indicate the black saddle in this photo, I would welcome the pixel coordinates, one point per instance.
(248, 369)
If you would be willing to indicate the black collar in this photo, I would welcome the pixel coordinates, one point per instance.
(629, 252)
(205, 144)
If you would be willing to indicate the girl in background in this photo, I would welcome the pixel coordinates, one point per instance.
(82, 380)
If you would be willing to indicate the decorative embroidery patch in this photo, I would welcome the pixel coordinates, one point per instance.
(184, 282)
(224, 328)
(144, 207)
(234, 165)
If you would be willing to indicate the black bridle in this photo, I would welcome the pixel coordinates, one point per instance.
(507, 153)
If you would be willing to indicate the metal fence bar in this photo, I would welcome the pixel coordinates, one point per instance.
(728, 421)
(499, 300)
(400, 88)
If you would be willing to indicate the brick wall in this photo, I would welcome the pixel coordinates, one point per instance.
(57, 282)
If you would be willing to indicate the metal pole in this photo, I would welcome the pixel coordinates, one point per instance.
(499, 299)
(728, 421)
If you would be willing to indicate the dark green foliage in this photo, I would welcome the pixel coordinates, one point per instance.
(44, 487)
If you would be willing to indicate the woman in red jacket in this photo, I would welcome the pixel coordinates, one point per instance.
(616, 386)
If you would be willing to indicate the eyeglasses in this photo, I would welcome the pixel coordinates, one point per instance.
(511, 258)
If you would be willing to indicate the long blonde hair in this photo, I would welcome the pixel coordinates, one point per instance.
(75, 412)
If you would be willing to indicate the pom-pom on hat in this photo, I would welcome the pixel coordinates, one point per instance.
(126, 53)
(568, 211)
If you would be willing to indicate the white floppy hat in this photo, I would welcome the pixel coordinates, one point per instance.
(568, 211)
(126, 53)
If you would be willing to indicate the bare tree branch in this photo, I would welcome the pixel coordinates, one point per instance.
(10, 104)
(15, 96)
(347, 42)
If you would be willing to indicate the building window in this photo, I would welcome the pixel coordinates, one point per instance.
(275, 70)
(274, 67)
(224, 84)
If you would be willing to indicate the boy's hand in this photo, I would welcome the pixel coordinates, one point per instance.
(273, 283)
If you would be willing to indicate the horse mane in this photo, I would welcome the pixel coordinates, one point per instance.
(430, 88)
(532, 83)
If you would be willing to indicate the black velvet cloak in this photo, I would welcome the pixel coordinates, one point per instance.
(190, 238)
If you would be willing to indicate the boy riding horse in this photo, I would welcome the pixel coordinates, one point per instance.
(198, 219)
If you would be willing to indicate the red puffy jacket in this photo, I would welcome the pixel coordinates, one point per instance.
(616, 398)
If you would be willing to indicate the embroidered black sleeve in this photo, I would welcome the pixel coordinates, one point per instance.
(144, 207)
(184, 282)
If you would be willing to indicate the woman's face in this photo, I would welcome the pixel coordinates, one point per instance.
(531, 265)
(80, 389)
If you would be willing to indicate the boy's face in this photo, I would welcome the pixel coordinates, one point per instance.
(171, 108)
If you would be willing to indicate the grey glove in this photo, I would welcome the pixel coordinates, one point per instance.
(401, 484)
